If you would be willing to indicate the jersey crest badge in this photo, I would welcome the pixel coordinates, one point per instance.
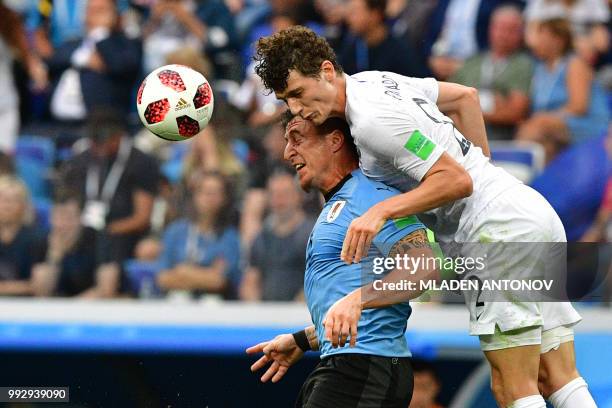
(335, 210)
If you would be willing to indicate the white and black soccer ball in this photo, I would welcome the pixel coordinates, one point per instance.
(175, 102)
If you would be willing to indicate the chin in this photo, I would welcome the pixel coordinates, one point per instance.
(305, 184)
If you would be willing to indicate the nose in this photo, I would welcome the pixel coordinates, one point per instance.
(294, 106)
(289, 151)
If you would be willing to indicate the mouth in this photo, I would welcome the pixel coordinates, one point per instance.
(299, 166)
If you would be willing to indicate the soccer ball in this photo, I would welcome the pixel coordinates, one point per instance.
(175, 102)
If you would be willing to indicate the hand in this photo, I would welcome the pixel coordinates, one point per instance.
(179, 10)
(282, 352)
(38, 74)
(96, 63)
(360, 234)
(159, 9)
(342, 319)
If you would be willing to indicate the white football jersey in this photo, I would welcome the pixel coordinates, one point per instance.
(400, 133)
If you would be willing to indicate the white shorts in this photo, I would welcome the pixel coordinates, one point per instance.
(547, 339)
(518, 215)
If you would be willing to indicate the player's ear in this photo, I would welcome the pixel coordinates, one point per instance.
(328, 72)
(335, 140)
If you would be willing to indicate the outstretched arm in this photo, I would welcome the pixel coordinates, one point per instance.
(462, 105)
(281, 352)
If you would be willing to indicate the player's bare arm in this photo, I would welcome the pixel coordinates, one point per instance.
(434, 191)
(462, 105)
(281, 353)
(343, 317)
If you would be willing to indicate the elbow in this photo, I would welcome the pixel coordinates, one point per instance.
(578, 109)
(464, 186)
(470, 94)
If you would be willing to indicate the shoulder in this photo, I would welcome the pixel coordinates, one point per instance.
(230, 234)
(473, 62)
(178, 227)
(578, 68)
(522, 59)
(366, 192)
(141, 157)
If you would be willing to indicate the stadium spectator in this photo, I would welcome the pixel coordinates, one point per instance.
(409, 21)
(261, 106)
(457, 30)
(56, 22)
(19, 241)
(14, 45)
(601, 229)
(201, 254)
(261, 166)
(277, 257)
(174, 24)
(370, 45)
(117, 183)
(334, 22)
(212, 150)
(426, 385)
(69, 252)
(98, 69)
(568, 105)
(502, 75)
(588, 20)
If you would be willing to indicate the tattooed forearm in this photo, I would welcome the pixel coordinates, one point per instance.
(416, 239)
(311, 335)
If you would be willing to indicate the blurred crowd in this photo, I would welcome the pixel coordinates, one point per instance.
(93, 205)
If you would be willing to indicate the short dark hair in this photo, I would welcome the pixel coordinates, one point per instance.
(561, 28)
(327, 127)
(378, 5)
(104, 122)
(296, 48)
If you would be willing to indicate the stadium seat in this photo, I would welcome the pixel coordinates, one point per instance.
(34, 158)
(574, 184)
(42, 211)
(524, 161)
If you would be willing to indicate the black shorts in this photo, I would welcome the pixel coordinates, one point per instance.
(358, 381)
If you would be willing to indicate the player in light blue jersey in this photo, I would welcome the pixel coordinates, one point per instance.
(376, 371)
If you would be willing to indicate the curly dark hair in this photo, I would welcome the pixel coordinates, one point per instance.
(297, 48)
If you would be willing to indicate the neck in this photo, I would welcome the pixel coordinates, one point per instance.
(376, 35)
(8, 231)
(336, 176)
(205, 223)
(340, 103)
(551, 62)
(499, 54)
(285, 223)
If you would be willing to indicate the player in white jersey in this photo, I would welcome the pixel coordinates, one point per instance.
(406, 140)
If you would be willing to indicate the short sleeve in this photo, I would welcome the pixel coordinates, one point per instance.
(148, 174)
(257, 252)
(520, 79)
(398, 138)
(170, 242)
(230, 251)
(429, 86)
(394, 230)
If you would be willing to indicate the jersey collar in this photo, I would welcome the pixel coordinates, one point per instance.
(337, 187)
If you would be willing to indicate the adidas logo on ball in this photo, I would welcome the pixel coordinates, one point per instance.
(182, 104)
